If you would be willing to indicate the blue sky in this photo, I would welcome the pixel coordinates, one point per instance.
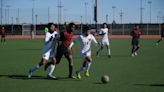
(73, 9)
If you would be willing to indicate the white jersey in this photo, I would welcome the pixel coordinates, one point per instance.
(49, 44)
(104, 39)
(85, 43)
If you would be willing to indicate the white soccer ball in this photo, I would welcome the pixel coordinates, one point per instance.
(105, 79)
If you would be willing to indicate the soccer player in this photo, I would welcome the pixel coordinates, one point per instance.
(104, 40)
(162, 34)
(62, 48)
(135, 33)
(3, 39)
(86, 38)
(48, 51)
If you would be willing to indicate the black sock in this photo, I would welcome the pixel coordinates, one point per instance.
(137, 48)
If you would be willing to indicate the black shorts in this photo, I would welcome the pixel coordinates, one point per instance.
(135, 42)
(2, 36)
(61, 50)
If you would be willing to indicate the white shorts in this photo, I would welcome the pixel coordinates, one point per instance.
(85, 54)
(48, 54)
(104, 42)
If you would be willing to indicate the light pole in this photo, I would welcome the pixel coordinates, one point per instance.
(8, 13)
(141, 12)
(107, 18)
(33, 26)
(121, 17)
(81, 17)
(36, 19)
(59, 13)
(1, 12)
(114, 7)
(150, 2)
(18, 17)
(48, 15)
(95, 15)
(86, 12)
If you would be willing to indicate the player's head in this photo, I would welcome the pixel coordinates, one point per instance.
(162, 26)
(51, 27)
(136, 26)
(105, 25)
(71, 27)
(86, 30)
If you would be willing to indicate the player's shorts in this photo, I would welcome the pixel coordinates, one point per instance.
(61, 50)
(86, 53)
(135, 42)
(104, 42)
(48, 54)
(2, 36)
(162, 34)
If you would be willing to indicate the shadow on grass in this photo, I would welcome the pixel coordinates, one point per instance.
(24, 77)
(154, 85)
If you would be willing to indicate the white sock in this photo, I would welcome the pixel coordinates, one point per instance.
(109, 53)
(51, 69)
(88, 65)
(35, 68)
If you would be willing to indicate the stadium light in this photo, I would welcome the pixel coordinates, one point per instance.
(141, 12)
(150, 3)
(114, 7)
(86, 12)
(1, 11)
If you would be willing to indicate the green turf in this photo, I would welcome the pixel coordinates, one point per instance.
(143, 73)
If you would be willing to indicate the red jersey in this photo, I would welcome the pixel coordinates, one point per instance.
(66, 38)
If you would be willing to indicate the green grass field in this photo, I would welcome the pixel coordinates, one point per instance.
(143, 73)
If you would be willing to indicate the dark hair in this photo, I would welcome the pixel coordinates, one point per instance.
(49, 25)
(70, 25)
(86, 28)
(104, 24)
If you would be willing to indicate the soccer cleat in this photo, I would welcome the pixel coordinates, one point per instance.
(78, 76)
(132, 55)
(51, 77)
(109, 56)
(29, 73)
(87, 73)
(71, 77)
(135, 53)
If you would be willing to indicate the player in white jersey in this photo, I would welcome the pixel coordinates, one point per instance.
(85, 41)
(48, 51)
(104, 40)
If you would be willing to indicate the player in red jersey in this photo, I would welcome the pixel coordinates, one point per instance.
(2, 31)
(162, 34)
(135, 40)
(62, 49)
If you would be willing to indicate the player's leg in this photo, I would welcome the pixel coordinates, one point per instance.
(100, 48)
(108, 49)
(137, 47)
(133, 50)
(68, 55)
(158, 41)
(89, 62)
(51, 68)
(36, 67)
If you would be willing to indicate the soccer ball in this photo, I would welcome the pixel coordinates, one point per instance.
(105, 79)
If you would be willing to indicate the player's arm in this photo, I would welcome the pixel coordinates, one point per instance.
(94, 40)
(101, 33)
(73, 42)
